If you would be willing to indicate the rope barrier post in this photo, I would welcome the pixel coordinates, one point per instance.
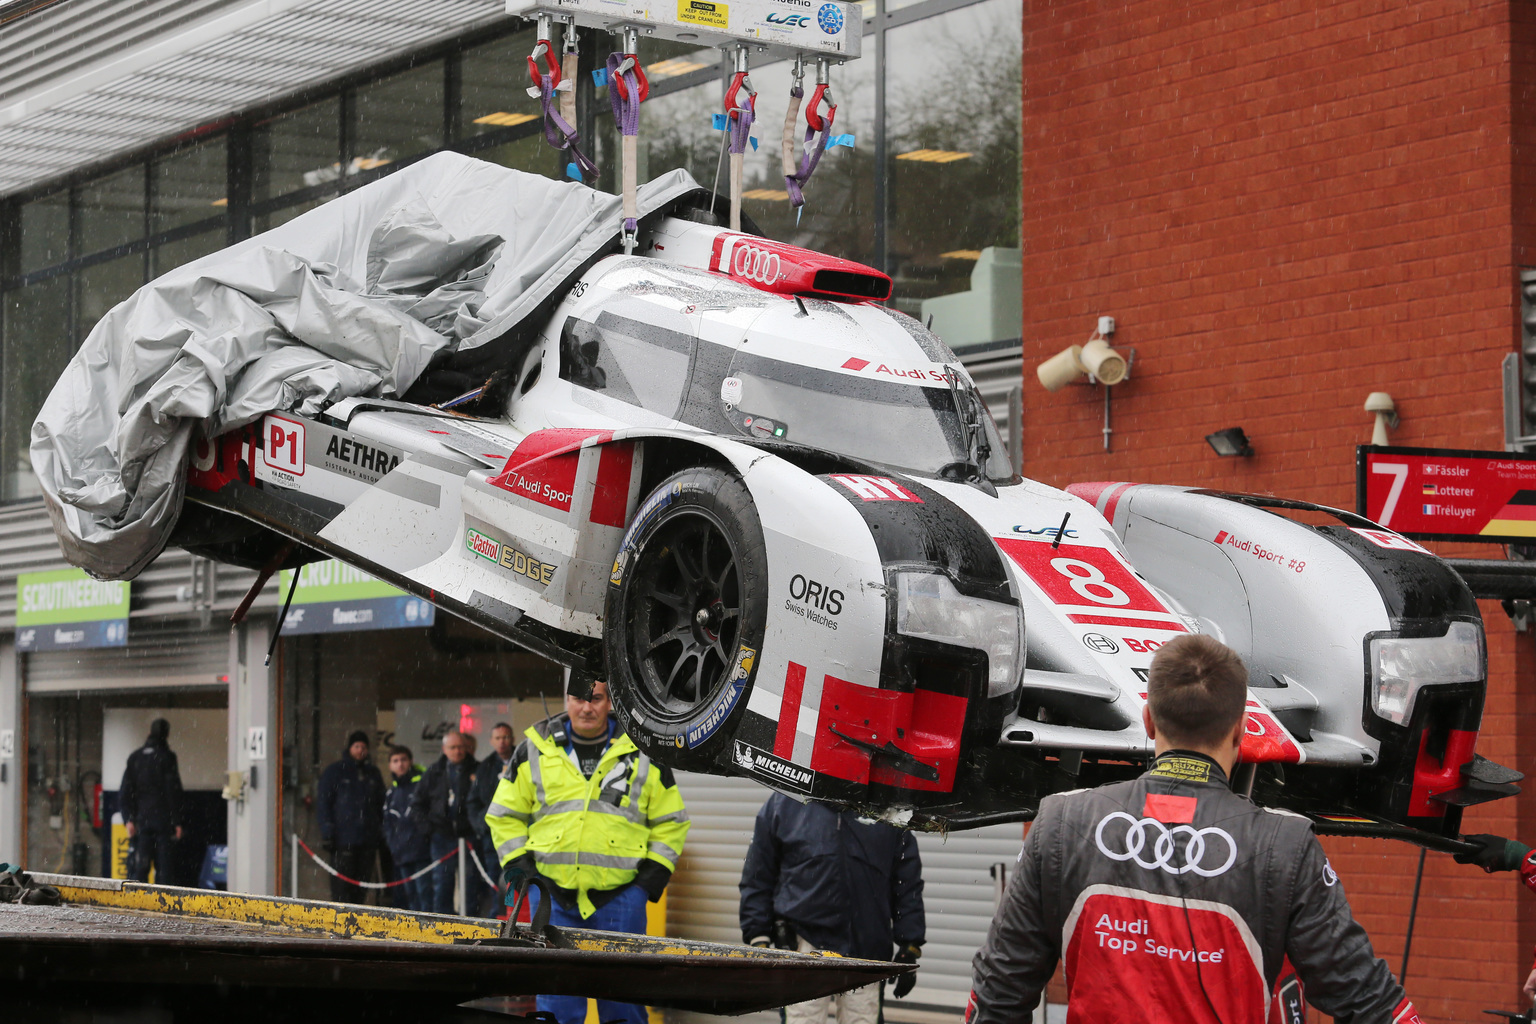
(294, 892)
(460, 899)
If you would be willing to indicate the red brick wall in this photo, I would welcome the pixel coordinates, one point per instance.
(1287, 205)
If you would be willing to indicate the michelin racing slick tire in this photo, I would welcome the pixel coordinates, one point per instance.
(686, 612)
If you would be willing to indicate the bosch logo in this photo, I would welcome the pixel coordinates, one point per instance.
(756, 264)
(830, 18)
(1165, 851)
(1101, 643)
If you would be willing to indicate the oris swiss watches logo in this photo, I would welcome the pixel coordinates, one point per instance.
(1178, 849)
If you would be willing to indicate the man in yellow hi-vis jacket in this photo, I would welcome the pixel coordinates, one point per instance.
(580, 805)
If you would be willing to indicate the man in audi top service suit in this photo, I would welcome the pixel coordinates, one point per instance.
(1178, 901)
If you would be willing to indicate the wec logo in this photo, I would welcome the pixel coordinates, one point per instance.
(792, 20)
(1177, 850)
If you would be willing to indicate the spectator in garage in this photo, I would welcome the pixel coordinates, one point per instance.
(350, 808)
(151, 802)
(440, 808)
(487, 775)
(818, 878)
(409, 847)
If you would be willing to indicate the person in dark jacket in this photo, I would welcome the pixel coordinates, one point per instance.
(487, 776)
(409, 847)
(150, 798)
(351, 813)
(1170, 899)
(440, 808)
(819, 878)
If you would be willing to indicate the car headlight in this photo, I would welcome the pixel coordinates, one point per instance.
(930, 608)
(1401, 666)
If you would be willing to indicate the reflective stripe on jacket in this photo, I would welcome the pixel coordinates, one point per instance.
(587, 835)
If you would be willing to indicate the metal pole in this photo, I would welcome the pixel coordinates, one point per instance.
(460, 898)
(294, 859)
(1413, 913)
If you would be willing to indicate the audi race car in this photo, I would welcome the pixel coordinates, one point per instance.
(776, 515)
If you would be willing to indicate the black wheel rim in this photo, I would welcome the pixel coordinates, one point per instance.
(687, 615)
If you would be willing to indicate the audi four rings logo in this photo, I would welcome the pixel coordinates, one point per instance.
(1165, 845)
(756, 264)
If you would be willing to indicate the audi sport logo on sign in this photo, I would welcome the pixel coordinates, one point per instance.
(1178, 850)
(1445, 494)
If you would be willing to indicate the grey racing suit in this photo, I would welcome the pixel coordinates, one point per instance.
(1172, 900)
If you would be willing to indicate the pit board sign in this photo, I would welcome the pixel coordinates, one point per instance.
(67, 610)
(1448, 493)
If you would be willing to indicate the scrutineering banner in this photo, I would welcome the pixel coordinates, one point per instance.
(333, 597)
(66, 609)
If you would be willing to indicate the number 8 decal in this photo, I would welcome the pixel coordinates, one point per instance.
(1088, 581)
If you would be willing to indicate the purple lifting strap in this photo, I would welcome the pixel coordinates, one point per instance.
(741, 125)
(558, 132)
(808, 161)
(626, 112)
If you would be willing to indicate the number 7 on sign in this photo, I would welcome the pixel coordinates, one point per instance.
(1398, 471)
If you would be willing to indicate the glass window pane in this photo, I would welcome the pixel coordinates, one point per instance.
(839, 213)
(189, 186)
(664, 59)
(296, 150)
(267, 221)
(44, 232)
(531, 154)
(111, 210)
(494, 87)
(398, 117)
(99, 288)
(173, 254)
(953, 236)
(37, 346)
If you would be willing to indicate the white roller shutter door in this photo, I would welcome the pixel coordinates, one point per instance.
(158, 656)
(958, 892)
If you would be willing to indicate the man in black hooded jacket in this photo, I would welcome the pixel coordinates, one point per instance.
(150, 800)
(351, 816)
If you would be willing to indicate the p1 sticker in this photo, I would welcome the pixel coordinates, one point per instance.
(284, 445)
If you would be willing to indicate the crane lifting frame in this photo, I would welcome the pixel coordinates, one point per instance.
(777, 29)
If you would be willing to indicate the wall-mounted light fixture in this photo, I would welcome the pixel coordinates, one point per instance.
(1095, 360)
(1380, 403)
(1231, 441)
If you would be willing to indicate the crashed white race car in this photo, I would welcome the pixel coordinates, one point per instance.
(782, 519)
(776, 515)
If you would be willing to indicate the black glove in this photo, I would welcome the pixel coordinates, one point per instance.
(652, 879)
(1493, 853)
(784, 936)
(908, 954)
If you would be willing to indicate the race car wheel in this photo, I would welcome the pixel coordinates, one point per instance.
(686, 614)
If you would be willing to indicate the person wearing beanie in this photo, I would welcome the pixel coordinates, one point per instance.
(150, 801)
(350, 809)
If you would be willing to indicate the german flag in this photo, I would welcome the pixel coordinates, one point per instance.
(1516, 519)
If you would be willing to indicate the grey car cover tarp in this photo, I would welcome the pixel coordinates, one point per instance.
(351, 299)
